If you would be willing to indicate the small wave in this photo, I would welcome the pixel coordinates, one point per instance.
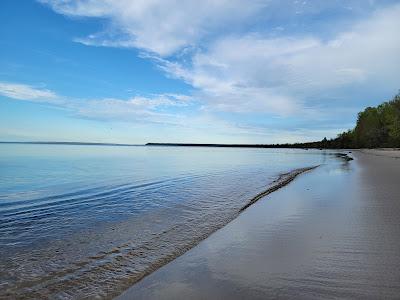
(282, 180)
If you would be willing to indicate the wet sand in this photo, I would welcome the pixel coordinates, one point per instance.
(389, 152)
(334, 232)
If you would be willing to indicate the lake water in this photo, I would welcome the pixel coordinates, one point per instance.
(87, 221)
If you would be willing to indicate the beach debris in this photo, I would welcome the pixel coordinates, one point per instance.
(344, 156)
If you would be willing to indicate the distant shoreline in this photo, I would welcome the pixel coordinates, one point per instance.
(295, 146)
(72, 143)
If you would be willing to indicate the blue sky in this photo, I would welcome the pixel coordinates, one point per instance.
(262, 71)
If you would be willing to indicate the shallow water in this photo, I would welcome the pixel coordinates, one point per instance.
(86, 221)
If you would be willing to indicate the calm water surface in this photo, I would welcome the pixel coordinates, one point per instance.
(87, 221)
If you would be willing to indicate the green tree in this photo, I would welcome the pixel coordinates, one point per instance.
(376, 127)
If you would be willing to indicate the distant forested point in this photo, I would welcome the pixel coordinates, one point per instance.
(377, 127)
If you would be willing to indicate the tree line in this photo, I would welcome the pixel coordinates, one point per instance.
(376, 127)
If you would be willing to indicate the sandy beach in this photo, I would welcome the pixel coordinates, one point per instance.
(334, 232)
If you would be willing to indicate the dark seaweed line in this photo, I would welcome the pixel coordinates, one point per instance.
(283, 180)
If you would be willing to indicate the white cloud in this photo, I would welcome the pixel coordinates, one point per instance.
(158, 26)
(277, 75)
(153, 109)
(27, 92)
(366, 53)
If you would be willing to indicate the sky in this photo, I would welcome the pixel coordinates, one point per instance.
(222, 71)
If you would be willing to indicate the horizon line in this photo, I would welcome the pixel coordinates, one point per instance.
(70, 143)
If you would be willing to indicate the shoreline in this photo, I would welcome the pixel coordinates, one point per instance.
(283, 180)
(225, 256)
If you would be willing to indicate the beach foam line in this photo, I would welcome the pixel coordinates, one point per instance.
(283, 179)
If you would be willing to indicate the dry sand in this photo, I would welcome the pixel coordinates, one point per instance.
(332, 233)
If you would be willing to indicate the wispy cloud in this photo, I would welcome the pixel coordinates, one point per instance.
(28, 92)
(153, 108)
(158, 26)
